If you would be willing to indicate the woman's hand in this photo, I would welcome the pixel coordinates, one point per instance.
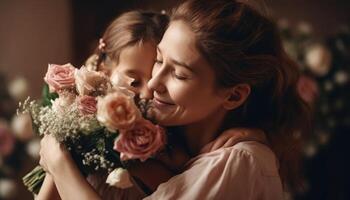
(52, 154)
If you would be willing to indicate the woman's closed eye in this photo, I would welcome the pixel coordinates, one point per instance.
(179, 76)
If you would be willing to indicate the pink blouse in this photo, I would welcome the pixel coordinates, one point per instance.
(247, 170)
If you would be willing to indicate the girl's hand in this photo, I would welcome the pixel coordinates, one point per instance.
(70, 183)
(155, 171)
(52, 154)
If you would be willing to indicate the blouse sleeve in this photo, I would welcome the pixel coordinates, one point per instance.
(227, 173)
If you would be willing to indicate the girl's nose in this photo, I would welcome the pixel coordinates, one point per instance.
(146, 93)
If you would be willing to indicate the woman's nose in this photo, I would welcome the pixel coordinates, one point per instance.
(156, 82)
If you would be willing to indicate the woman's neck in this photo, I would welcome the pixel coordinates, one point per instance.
(201, 133)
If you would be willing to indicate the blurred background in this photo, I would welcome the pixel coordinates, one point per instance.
(315, 32)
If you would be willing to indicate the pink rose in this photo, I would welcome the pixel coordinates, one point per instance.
(87, 104)
(141, 142)
(60, 77)
(117, 111)
(7, 141)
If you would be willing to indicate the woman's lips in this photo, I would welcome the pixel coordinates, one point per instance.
(161, 104)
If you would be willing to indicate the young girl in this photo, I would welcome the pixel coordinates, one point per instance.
(221, 65)
(128, 46)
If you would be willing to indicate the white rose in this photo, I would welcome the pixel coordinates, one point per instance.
(318, 59)
(22, 127)
(18, 88)
(119, 178)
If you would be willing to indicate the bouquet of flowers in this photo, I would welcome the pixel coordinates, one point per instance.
(99, 119)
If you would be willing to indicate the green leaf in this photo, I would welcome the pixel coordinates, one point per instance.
(47, 96)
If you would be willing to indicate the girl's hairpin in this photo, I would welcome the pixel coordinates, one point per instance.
(101, 45)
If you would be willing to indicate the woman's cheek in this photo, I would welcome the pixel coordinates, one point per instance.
(181, 93)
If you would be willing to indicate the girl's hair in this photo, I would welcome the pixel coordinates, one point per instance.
(243, 46)
(131, 28)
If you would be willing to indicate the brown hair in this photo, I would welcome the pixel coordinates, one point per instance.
(129, 29)
(243, 46)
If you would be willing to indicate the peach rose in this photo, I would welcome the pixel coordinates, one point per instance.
(121, 80)
(60, 77)
(122, 83)
(91, 82)
(117, 111)
(87, 104)
(141, 142)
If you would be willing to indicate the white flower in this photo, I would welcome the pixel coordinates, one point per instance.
(22, 127)
(310, 150)
(318, 59)
(7, 188)
(33, 148)
(119, 178)
(18, 88)
(341, 77)
(91, 62)
(63, 102)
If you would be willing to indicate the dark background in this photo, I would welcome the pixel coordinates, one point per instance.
(34, 33)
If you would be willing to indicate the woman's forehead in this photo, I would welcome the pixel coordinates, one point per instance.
(179, 43)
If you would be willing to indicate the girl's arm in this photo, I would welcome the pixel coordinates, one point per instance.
(48, 190)
(70, 183)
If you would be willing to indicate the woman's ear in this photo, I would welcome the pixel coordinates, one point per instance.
(236, 96)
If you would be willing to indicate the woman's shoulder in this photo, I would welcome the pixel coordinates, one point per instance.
(251, 154)
(257, 154)
(212, 175)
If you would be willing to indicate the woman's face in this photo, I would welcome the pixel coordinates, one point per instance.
(137, 62)
(182, 81)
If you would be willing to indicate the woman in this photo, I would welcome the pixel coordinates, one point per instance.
(221, 65)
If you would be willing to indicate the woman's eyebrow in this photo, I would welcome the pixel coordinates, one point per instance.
(176, 62)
